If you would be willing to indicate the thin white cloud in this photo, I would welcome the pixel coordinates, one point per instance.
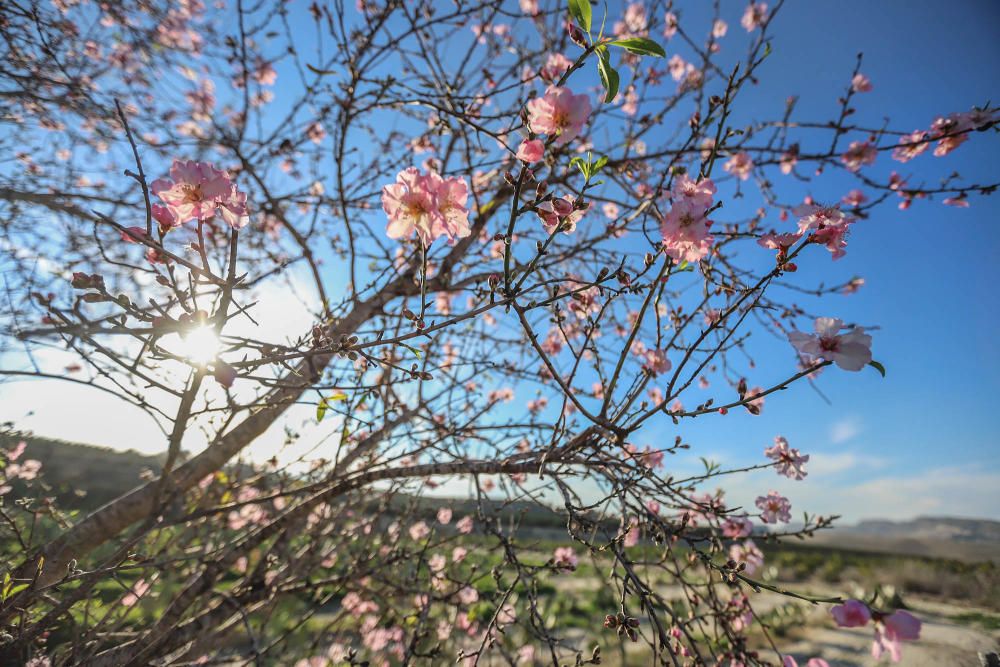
(844, 430)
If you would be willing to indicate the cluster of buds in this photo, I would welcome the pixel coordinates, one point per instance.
(731, 570)
(623, 624)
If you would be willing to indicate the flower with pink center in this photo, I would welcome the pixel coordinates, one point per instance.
(851, 614)
(193, 190)
(531, 150)
(911, 145)
(831, 226)
(779, 242)
(164, 218)
(739, 165)
(859, 154)
(861, 83)
(558, 113)
(891, 630)
(426, 205)
(754, 16)
(555, 66)
(444, 515)
(565, 558)
(419, 531)
(698, 193)
(789, 461)
(854, 198)
(851, 351)
(774, 507)
(685, 231)
(560, 214)
(634, 23)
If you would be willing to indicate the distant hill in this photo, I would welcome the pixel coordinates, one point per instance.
(80, 476)
(971, 540)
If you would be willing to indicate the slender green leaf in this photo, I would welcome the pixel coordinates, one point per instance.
(640, 46)
(580, 11)
(877, 366)
(324, 404)
(609, 76)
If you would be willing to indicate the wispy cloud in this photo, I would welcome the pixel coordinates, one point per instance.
(844, 430)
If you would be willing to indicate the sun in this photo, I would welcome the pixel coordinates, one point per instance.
(201, 345)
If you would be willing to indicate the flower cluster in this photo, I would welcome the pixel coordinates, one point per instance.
(685, 226)
(426, 205)
(851, 351)
(196, 191)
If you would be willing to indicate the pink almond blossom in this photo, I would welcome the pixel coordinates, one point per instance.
(851, 351)
(193, 190)
(789, 462)
(754, 16)
(559, 113)
(426, 205)
(774, 508)
(739, 165)
(851, 614)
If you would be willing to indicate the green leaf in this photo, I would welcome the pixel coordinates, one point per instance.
(609, 76)
(324, 404)
(877, 366)
(581, 165)
(580, 11)
(601, 161)
(640, 46)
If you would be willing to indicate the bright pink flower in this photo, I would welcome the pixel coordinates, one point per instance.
(859, 153)
(559, 113)
(426, 205)
(789, 461)
(739, 165)
(774, 508)
(531, 150)
(851, 614)
(851, 351)
(890, 631)
(194, 191)
(164, 218)
(861, 83)
(754, 16)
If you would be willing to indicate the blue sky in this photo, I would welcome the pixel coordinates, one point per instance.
(924, 440)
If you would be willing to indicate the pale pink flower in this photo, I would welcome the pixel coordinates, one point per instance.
(774, 508)
(685, 231)
(458, 554)
(789, 462)
(419, 531)
(529, 7)
(861, 83)
(565, 558)
(755, 16)
(426, 205)
(854, 198)
(195, 190)
(468, 595)
(779, 242)
(698, 193)
(531, 150)
(719, 29)
(464, 525)
(747, 553)
(851, 614)
(739, 165)
(316, 132)
(911, 145)
(851, 351)
(859, 154)
(444, 515)
(611, 210)
(656, 361)
(737, 527)
(555, 66)
(634, 23)
(559, 113)
(669, 25)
